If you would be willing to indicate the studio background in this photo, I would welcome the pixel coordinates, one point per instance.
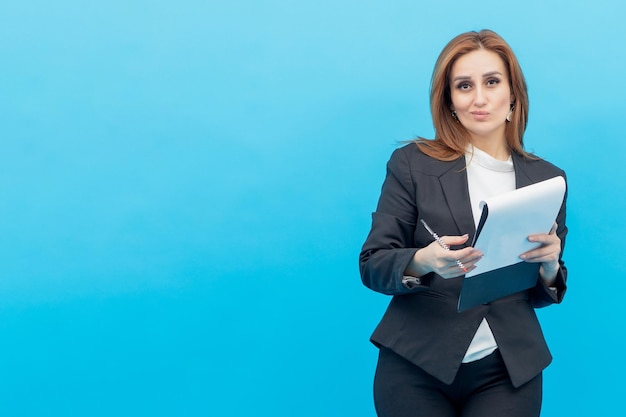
(185, 187)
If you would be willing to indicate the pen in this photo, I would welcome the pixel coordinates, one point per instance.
(441, 243)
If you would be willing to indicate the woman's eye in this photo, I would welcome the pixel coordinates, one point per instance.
(493, 81)
(463, 86)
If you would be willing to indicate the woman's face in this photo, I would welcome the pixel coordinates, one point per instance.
(481, 95)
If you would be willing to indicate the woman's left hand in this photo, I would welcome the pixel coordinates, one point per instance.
(547, 254)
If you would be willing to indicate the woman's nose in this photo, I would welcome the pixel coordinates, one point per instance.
(480, 98)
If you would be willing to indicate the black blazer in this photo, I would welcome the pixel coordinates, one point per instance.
(422, 323)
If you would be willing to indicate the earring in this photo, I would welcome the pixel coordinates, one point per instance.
(454, 116)
(508, 116)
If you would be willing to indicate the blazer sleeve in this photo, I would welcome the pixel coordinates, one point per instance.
(542, 295)
(389, 246)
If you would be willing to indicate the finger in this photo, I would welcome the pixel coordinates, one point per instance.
(533, 258)
(540, 251)
(464, 264)
(453, 271)
(543, 254)
(455, 240)
(545, 239)
(465, 255)
(470, 262)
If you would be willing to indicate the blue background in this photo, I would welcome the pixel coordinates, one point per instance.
(185, 187)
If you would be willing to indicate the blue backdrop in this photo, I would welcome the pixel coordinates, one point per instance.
(185, 187)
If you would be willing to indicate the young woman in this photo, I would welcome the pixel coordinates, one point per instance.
(435, 361)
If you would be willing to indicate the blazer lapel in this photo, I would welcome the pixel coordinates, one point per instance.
(454, 185)
(521, 177)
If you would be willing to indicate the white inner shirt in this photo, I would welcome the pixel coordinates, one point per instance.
(486, 177)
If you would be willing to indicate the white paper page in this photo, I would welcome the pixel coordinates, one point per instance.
(512, 217)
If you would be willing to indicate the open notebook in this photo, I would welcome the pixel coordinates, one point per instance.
(502, 235)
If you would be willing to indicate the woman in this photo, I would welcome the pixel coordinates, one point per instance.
(433, 360)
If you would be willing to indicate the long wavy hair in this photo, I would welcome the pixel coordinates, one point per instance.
(451, 138)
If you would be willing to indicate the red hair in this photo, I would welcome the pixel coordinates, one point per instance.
(451, 138)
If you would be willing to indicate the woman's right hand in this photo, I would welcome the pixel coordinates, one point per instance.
(434, 258)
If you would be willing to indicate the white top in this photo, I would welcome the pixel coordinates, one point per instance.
(486, 177)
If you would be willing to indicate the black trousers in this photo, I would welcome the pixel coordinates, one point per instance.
(480, 389)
